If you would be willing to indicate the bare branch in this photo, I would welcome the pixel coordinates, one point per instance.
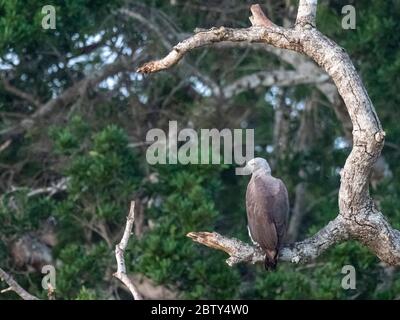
(280, 37)
(51, 292)
(56, 187)
(119, 255)
(5, 145)
(259, 18)
(299, 252)
(236, 249)
(307, 13)
(14, 286)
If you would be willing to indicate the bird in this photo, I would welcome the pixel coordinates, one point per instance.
(267, 206)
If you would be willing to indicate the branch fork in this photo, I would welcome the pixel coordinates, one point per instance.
(119, 255)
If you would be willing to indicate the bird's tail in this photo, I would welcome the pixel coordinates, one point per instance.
(270, 261)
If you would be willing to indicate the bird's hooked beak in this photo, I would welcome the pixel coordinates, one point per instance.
(247, 169)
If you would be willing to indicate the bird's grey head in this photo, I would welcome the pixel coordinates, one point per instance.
(258, 164)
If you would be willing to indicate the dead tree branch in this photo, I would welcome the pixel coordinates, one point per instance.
(259, 18)
(14, 286)
(119, 255)
(299, 252)
(358, 216)
(56, 187)
(163, 38)
(306, 13)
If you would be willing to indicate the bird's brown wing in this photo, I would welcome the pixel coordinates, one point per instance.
(259, 215)
(267, 211)
(280, 211)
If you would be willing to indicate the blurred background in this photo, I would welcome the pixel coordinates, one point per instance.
(73, 121)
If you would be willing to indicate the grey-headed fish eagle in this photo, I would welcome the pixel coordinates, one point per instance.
(267, 206)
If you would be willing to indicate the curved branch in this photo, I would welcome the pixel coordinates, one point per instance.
(277, 36)
(357, 211)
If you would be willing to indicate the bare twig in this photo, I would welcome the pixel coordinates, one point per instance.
(56, 187)
(307, 13)
(51, 292)
(119, 255)
(14, 286)
(274, 35)
(259, 18)
(5, 145)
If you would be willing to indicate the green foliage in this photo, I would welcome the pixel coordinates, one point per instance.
(86, 294)
(20, 213)
(81, 267)
(166, 255)
(21, 22)
(105, 160)
(68, 139)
